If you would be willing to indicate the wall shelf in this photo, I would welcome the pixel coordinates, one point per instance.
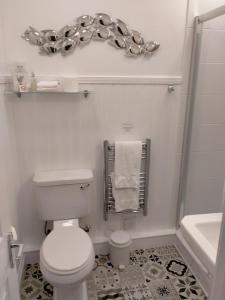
(85, 93)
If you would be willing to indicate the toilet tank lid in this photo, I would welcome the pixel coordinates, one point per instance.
(62, 177)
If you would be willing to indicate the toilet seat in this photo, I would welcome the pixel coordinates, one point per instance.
(67, 251)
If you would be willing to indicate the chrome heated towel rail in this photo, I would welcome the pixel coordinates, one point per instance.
(109, 202)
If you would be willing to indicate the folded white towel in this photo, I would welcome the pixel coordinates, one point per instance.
(127, 164)
(51, 84)
(125, 179)
(125, 198)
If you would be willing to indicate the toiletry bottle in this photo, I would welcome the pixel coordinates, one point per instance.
(33, 84)
(21, 78)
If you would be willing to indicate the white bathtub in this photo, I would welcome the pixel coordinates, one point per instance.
(201, 232)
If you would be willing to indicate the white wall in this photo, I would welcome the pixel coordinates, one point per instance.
(8, 171)
(55, 132)
(1, 48)
(206, 169)
(8, 160)
(156, 20)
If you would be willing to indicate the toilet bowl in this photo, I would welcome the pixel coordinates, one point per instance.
(66, 259)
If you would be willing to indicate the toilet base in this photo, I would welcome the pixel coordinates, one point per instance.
(71, 292)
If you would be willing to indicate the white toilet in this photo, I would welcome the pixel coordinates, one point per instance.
(67, 253)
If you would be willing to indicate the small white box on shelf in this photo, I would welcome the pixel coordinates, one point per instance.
(49, 85)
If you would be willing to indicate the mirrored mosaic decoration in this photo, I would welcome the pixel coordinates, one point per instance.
(100, 27)
(157, 273)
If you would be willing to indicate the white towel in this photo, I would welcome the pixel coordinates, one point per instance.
(125, 179)
(125, 198)
(51, 84)
(127, 164)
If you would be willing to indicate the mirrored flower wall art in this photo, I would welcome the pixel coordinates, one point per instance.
(101, 27)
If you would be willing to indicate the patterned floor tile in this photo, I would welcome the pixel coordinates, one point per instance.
(131, 277)
(189, 288)
(163, 289)
(156, 273)
(155, 258)
(34, 286)
(140, 292)
(153, 271)
(110, 295)
(106, 279)
(30, 289)
(176, 268)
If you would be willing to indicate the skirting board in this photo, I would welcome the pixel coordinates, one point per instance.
(140, 242)
(102, 247)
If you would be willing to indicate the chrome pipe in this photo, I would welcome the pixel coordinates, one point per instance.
(212, 14)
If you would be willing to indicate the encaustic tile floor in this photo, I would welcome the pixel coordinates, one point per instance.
(156, 273)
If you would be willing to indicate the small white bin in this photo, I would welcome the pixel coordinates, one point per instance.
(120, 242)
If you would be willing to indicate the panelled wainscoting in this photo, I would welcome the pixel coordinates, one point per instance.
(67, 131)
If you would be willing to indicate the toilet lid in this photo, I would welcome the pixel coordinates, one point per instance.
(66, 249)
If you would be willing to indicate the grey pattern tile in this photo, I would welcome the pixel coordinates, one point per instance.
(153, 271)
(156, 273)
(110, 295)
(176, 268)
(163, 289)
(131, 277)
(140, 292)
(189, 288)
(34, 286)
(106, 278)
